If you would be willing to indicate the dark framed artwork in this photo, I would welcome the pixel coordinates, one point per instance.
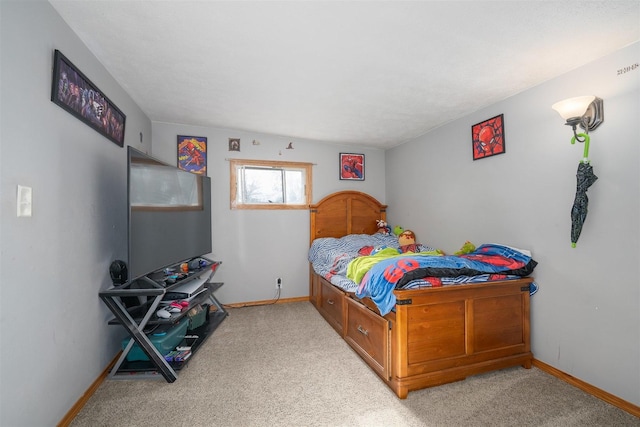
(234, 144)
(192, 154)
(488, 137)
(352, 166)
(75, 93)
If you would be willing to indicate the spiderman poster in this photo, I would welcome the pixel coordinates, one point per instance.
(352, 166)
(192, 154)
(488, 137)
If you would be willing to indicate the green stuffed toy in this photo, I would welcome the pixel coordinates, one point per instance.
(397, 230)
(468, 247)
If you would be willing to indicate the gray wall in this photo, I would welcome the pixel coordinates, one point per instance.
(586, 315)
(53, 331)
(55, 340)
(258, 246)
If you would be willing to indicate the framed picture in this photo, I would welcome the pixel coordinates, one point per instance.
(234, 144)
(74, 92)
(488, 137)
(352, 166)
(192, 154)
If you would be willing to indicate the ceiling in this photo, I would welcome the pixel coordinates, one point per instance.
(371, 73)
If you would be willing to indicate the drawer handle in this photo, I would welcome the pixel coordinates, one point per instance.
(363, 331)
(330, 302)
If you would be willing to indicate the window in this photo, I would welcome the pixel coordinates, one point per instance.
(264, 184)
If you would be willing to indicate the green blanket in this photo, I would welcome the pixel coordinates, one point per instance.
(358, 267)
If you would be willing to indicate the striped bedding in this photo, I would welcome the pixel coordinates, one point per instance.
(330, 256)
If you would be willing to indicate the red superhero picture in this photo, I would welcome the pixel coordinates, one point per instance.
(192, 154)
(352, 166)
(488, 137)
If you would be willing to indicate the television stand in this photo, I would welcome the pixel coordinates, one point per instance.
(134, 305)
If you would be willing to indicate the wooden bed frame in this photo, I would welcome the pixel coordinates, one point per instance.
(435, 335)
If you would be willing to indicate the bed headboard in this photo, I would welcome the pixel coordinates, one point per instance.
(346, 212)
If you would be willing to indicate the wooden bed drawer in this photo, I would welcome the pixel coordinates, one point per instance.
(331, 305)
(368, 334)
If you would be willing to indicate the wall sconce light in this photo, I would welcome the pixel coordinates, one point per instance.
(586, 111)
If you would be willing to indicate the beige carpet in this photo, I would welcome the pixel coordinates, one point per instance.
(282, 365)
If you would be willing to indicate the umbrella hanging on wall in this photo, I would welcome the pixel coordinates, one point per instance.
(585, 179)
(586, 111)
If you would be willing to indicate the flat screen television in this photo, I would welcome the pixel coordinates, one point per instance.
(169, 214)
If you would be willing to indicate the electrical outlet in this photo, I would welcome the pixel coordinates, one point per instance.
(278, 283)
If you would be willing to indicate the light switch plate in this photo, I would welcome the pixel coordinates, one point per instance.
(24, 201)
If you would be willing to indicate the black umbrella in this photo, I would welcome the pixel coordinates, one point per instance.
(585, 179)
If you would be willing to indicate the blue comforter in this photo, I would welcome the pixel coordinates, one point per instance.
(393, 273)
(330, 258)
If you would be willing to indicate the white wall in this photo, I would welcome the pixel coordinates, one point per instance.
(586, 315)
(55, 340)
(258, 246)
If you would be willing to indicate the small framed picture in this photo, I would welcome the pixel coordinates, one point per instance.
(488, 137)
(234, 144)
(192, 154)
(352, 166)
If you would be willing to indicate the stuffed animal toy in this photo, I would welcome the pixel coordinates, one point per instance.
(407, 237)
(397, 230)
(468, 247)
(407, 242)
(383, 227)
